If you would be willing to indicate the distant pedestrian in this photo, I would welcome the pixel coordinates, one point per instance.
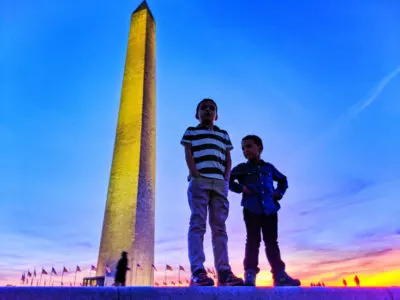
(357, 280)
(122, 267)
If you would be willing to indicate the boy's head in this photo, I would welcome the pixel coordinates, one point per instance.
(206, 111)
(252, 146)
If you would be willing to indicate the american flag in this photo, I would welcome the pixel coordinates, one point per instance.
(154, 267)
(108, 270)
(168, 267)
(138, 266)
(93, 268)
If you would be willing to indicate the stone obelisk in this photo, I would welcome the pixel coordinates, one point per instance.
(129, 216)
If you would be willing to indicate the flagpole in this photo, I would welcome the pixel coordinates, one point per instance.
(179, 276)
(165, 276)
(34, 271)
(62, 276)
(75, 276)
(51, 274)
(136, 274)
(41, 274)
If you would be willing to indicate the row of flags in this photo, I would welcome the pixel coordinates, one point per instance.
(53, 271)
(25, 276)
(31, 275)
(167, 268)
(108, 270)
(92, 268)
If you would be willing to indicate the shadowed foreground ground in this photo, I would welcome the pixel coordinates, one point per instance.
(198, 293)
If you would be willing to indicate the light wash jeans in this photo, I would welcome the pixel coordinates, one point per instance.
(208, 194)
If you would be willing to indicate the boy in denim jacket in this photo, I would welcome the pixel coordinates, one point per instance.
(255, 180)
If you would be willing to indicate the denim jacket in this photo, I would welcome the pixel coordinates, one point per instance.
(258, 177)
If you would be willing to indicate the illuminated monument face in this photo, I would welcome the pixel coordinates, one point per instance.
(129, 216)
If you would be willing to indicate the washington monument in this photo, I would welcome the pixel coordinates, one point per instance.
(129, 215)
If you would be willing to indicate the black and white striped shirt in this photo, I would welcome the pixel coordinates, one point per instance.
(209, 147)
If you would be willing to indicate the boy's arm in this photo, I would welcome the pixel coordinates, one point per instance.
(233, 185)
(228, 159)
(228, 165)
(190, 161)
(282, 183)
(186, 141)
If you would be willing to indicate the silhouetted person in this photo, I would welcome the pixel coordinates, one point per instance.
(357, 280)
(344, 282)
(122, 267)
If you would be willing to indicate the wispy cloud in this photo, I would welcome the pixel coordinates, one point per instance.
(378, 89)
(346, 117)
(354, 110)
(341, 260)
(348, 189)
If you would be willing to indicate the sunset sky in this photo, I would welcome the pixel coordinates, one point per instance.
(319, 82)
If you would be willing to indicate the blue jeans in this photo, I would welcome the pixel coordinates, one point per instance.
(208, 194)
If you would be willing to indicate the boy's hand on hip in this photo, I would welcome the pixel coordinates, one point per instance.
(246, 190)
(277, 195)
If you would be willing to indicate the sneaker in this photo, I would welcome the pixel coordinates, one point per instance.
(286, 280)
(227, 278)
(250, 278)
(200, 278)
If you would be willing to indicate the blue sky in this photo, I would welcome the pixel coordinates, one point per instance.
(319, 82)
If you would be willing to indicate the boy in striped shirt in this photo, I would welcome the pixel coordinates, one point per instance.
(207, 152)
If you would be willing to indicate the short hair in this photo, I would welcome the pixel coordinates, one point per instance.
(204, 100)
(255, 138)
